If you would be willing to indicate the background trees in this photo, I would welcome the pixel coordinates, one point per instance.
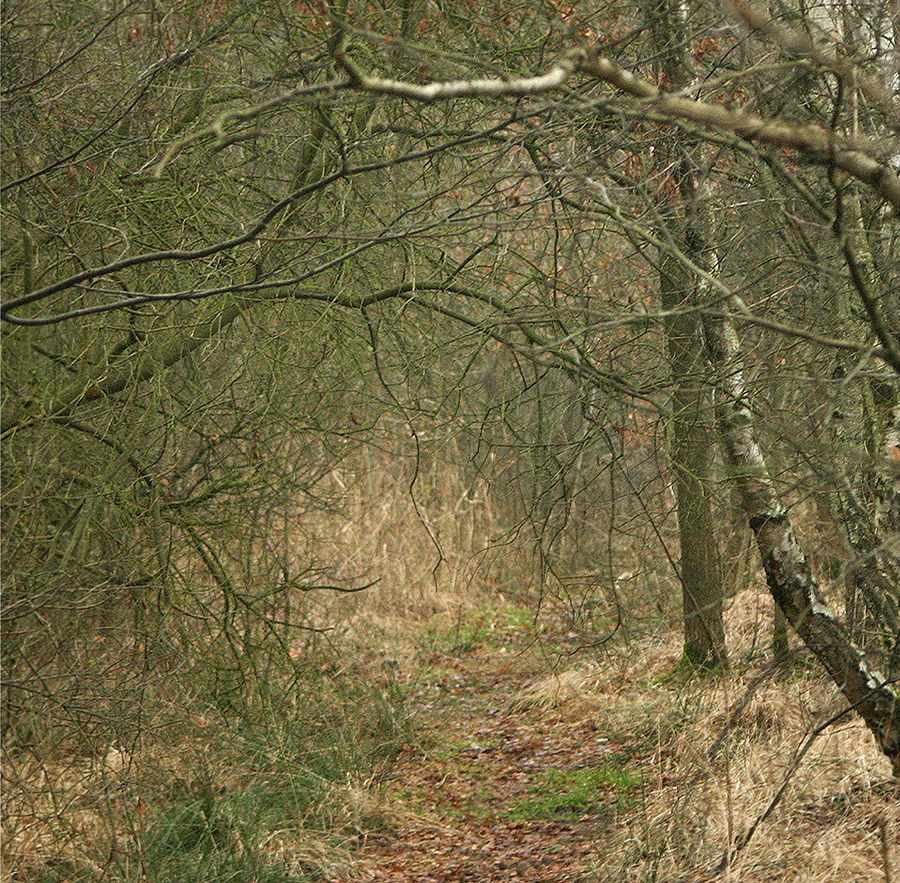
(252, 281)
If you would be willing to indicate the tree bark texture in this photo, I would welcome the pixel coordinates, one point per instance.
(683, 218)
(788, 573)
(690, 439)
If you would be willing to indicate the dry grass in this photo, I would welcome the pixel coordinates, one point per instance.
(79, 812)
(709, 771)
(711, 774)
(81, 817)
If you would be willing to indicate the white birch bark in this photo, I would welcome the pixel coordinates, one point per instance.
(788, 573)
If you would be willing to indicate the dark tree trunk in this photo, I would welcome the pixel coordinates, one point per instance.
(680, 208)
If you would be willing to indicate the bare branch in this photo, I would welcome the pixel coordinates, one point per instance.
(797, 44)
(183, 255)
(485, 88)
(217, 128)
(817, 145)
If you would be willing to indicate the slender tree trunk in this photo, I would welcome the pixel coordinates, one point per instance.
(701, 580)
(679, 205)
(863, 415)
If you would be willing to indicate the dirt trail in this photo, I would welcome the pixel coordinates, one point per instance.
(495, 793)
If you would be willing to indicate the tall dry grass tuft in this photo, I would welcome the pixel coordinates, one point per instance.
(432, 547)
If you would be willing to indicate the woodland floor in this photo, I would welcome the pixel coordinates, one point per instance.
(495, 787)
(479, 787)
(523, 756)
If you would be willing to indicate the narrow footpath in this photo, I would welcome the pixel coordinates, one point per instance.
(495, 790)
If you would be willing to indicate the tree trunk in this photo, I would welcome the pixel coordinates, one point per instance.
(788, 573)
(679, 207)
(701, 580)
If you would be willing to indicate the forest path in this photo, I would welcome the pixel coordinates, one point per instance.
(495, 790)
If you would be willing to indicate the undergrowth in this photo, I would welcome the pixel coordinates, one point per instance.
(257, 780)
(268, 761)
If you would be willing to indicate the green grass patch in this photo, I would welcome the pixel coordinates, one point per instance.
(214, 837)
(570, 794)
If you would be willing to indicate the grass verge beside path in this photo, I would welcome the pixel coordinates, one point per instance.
(532, 765)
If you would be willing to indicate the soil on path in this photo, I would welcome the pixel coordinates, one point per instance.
(485, 789)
